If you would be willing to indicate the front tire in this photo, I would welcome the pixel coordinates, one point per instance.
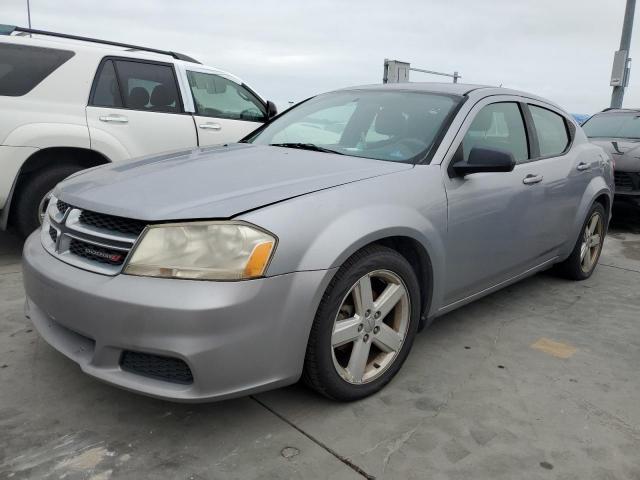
(31, 196)
(586, 252)
(365, 325)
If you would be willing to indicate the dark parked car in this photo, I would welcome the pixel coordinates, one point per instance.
(618, 132)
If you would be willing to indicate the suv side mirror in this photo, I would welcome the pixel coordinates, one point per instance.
(272, 110)
(485, 160)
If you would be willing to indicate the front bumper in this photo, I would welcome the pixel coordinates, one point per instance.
(236, 337)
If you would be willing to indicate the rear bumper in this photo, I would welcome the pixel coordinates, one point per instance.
(235, 337)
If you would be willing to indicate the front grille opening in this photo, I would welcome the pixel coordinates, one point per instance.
(112, 223)
(168, 369)
(96, 253)
(627, 182)
(62, 206)
(53, 233)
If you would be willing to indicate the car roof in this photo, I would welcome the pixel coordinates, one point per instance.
(452, 89)
(432, 87)
(619, 110)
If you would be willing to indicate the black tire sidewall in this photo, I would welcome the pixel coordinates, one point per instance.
(382, 258)
(30, 194)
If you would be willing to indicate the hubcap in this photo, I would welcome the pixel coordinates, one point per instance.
(591, 242)
(370, 327)
(44, 204)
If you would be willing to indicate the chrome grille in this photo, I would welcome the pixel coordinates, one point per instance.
(62, 206)
(110, 222)
(89, 240)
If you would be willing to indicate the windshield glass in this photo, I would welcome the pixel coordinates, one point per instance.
(613, 125)
(397, 126)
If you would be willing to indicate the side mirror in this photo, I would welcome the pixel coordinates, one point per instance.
(485, 160)
(272, 110)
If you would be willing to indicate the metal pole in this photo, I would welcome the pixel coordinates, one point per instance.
(29, 14)
(617, 94)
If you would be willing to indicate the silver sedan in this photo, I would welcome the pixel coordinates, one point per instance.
(318, 246)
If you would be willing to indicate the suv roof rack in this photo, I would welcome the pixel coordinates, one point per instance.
(9, 29)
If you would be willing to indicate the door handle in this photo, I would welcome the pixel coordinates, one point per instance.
(531, 179)
(583, 167)
(114, 119)
(210, 126)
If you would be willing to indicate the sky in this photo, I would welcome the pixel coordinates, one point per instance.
(289, 50)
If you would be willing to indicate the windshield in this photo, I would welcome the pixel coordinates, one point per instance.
(613, 125)
(396, 126)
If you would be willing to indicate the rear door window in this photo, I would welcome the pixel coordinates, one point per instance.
(107, 92)
(551, 128)
(137, 85)
(23, 67)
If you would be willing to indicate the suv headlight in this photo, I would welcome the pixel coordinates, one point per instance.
(202, 251)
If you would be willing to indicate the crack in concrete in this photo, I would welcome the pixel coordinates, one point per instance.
(322, 445)
(619, 268)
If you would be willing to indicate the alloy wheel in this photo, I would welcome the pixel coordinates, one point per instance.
(592, 238)
(370, 327)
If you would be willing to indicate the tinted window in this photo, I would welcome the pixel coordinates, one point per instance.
(148, 86)
(498, 126)
(553, 138)
(613, 125)
(216, 96)
(107, 93)
(23, 67)
(384, 125)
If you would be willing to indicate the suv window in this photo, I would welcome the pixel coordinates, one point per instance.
(498, 126)
(140, 86)
(551, 128)
(216, 96)
(107, 92)
(23, 67)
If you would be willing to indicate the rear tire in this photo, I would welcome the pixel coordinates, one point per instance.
(383, 325)
(586, 253)
(29, 196)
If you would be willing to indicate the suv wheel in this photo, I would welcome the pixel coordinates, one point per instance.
(365, 325)
(32, 197)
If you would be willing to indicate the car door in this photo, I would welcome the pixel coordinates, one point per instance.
(566, 173)
(492, 217)
(225, 110)
(135, 109)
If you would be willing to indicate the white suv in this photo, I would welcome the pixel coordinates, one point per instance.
(68, 103)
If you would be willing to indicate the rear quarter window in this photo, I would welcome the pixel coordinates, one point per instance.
(23, 67)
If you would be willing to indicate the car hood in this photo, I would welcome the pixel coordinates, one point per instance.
(218, 182)
(625, 152)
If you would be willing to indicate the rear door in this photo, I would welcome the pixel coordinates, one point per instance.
(225, 111)
(135, 109)
(566, 174)
(492, 217)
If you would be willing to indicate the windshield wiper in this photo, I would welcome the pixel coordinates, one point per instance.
(306, 146)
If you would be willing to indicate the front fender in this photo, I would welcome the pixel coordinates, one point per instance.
(321, 230)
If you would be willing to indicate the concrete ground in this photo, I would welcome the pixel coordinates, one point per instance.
(538, 381)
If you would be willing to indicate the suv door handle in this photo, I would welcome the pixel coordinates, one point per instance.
(210, 126)
(114, 119)
(583, 167)
(531, 179)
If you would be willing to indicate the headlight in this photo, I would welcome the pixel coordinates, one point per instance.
(202, 251)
